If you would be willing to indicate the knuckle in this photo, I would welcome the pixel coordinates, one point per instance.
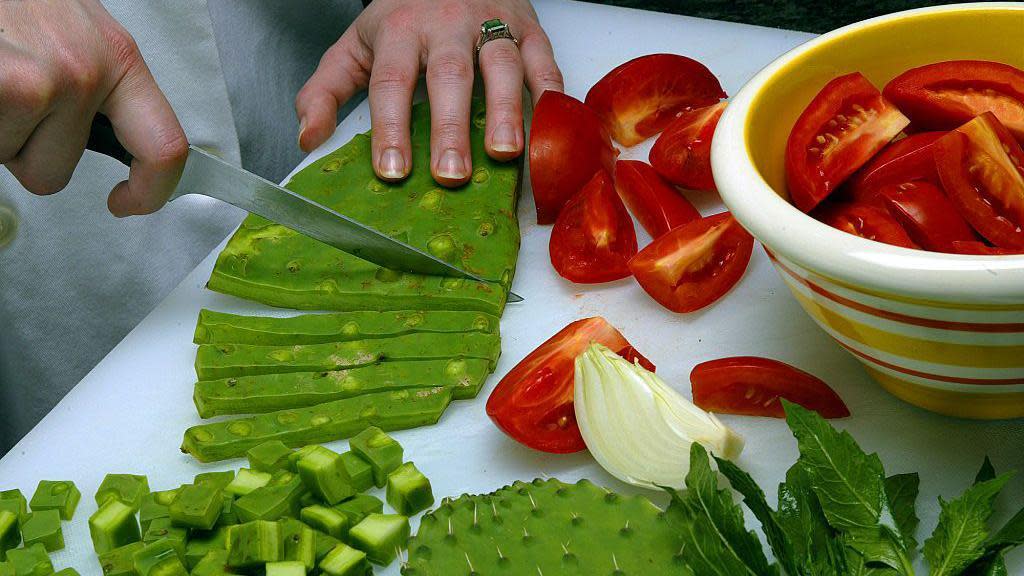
(122, 46)
(81, 73)
(548, 76)
(450, 69)
(500, 55)
(401, 18)
(390, 78)
(452, 11)
(449, 130)
(29, 88)
(171, 148)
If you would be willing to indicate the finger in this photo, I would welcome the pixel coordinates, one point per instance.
(542, 72)
(341, 73)
(28, 96)
(147, 127)
(450, 90)
(392, 82)
(502, 70)
(45, 163)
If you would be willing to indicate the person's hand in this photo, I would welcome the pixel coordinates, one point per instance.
(385, 50)
(61, 62)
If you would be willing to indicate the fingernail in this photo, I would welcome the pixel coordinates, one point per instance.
(504, 139)
(451, 165)
(392, 163)
(302, 130)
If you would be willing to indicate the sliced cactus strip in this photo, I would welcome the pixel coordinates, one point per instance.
(269, 392)
(322, 423)
(222, 328)
(545, 527)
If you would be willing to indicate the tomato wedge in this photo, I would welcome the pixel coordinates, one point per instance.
(982, 171)
(867, 221)
(839, 131)
(928, 217)
(693, 265)
(658, 206)
(533, 403)
(567, 146)
(682, 154)
(905, 160)
(639, 98)
(981, 249)
(944, 95)
(593, 238)
(753, 386)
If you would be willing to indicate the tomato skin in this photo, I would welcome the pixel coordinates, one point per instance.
(904, 160)
(533, 403)
(682, 154)
(637, 99)
(865, 220)
(752, 386)
(927, 216)
(657, 206)
(839, 131)
(567, 146)
(944, 95)
(982, 170)
(593, 238)
(695, 264)
(976, 248)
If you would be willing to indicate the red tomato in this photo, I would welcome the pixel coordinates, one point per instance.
(865, 220)
(639, 98)
(631, 354)
(695, 264)
(981, 249)
(533, 403)
(567, 146)
(753, 386)
(928, 217)
(682, 154)
(839, 131)
(658, 206)
(593, 238)
(944, 95)
(905, 160)
(982, 171)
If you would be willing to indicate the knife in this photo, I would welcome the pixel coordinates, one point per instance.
(210, 176)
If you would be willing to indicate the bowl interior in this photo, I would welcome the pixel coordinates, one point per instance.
(880, 50)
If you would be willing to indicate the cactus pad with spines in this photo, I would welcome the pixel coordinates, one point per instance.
(545, 528)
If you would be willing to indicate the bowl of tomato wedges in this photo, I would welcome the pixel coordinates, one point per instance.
(881, 167)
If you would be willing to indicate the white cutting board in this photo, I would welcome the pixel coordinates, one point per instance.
(129, 413)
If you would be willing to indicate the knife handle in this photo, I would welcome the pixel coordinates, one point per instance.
(103, 140)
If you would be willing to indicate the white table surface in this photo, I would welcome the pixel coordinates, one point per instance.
(128, 414)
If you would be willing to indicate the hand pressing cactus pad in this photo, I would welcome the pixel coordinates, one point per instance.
(228, 360)
(546, 527)
(474, 227)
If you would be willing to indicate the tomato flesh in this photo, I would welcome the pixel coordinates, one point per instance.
(533, 403)
(752, 386)
(593, 238)
(928, 217)
(981, 249)
(657, 206)
(639, 98)
(695, 264)
(944, 95)
(567, 146)
(839, 131)
(905, 160)
(865, 220)
(982, 170)
(682, 154)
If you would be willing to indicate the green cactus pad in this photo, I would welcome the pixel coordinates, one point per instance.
(221, 328)
(269, 392)
(474, 227)
(545, 527)
(326, 422)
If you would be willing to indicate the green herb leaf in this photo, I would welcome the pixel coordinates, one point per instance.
(987, 471)
(1010, 535)
(880, 546)
(959, 538)
(819, 550)
(991, 564)
(858, 566)
(901, 490)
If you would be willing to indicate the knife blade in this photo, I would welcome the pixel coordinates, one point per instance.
(208, 175)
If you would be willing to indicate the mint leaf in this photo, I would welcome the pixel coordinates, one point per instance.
(959, 538)
(711, 525)
(754, 498)
(987, 471)
(1010, 535)
(991, 564)
(814, 542)
(880, 545)
(857, 566)
(901, 490)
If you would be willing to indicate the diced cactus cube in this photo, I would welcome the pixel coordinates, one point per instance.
(279, 498)
(254, 543)
(60, 495)
(164, 529)
(30, 561)
(202, 542)
(156, 505)
(381, 536)
(409, 490)
(300, 542)
(294, 457)
(14, 501)
(130, 489)
(344, 560)
(228, 516)
(269, 457)
(216, 480)
(358, 470)
(286, 569)
(327, 520)
(213, 564)
(197, 506)
(160, 558)
(43, 527)
(381, 451)
(324, 474)
(246, 481)
(359, 507)
(10, 537)
(112, 526)
(120, 561)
